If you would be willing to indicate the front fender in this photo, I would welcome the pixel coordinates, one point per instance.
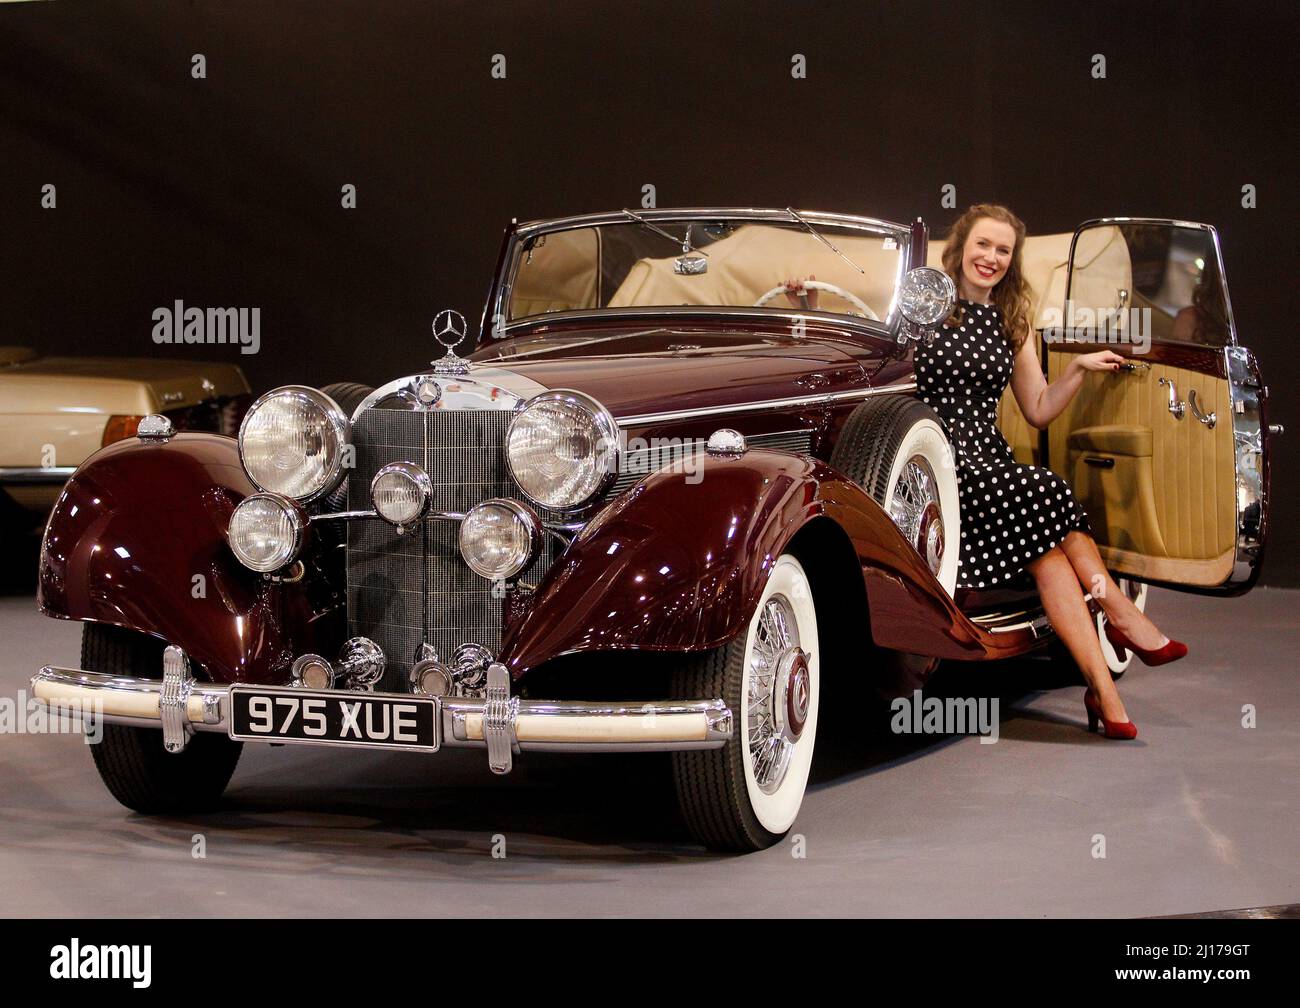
(679, 566)
(137, 539)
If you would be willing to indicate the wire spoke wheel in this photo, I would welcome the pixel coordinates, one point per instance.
(747, 794)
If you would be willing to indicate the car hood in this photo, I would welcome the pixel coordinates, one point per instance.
(114, 385)
(641, 370)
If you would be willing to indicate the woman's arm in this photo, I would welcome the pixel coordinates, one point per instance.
(1042, 403)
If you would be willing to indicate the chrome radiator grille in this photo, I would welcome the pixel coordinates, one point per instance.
(406, 589)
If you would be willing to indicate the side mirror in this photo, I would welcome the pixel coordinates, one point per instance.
(925, 297)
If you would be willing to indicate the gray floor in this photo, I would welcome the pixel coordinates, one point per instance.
(1200, 814)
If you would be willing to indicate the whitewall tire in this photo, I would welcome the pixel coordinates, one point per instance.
(747, 795)
(1137, 592)
(895, 448)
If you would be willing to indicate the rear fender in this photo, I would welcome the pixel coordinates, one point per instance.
(678, 566)
(137, 539)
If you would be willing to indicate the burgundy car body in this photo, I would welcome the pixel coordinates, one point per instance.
(138, 520)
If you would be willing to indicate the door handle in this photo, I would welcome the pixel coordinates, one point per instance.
(1176, 407)
(1209, 419)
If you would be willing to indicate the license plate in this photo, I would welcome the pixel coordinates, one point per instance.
(334, 717)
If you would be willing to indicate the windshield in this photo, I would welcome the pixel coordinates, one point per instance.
(728, 263)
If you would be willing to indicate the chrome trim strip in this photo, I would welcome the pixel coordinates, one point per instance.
(684, 313)
(851, 395)
(541, 725)
(486, 388)
(35, 475)
(529, 228)
(1249, 443)
(345, 516)
(366, 515)
(1039, 626)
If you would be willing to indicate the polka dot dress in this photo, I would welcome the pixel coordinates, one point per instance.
(1010, 513)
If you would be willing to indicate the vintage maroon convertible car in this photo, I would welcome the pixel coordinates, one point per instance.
(658, 506)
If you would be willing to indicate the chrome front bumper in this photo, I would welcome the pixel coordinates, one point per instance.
(181, 705)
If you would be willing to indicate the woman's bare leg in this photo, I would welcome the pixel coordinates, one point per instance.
(1081, 551)
(1058, 587)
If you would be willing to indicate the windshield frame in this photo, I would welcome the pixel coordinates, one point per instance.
(497, 327)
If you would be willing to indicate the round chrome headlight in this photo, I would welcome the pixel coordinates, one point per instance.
(266, 531)
(926, 295)
(292, 442)
(562, 449)
(401, 492)
(500, 538)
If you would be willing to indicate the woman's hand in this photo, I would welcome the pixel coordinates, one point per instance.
(1102, 360)
(794, 288)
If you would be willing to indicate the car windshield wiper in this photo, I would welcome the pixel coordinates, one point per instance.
(791, 211)
(683, 243)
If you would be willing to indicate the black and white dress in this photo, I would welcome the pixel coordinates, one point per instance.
(1010, 513)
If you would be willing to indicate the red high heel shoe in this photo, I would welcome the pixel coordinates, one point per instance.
(1171, 651)
(1113, 729)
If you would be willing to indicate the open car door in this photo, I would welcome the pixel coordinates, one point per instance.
(1169, 456)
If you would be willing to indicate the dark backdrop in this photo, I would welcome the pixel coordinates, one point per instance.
(226, 190)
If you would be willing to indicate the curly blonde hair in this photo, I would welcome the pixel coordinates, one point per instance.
(1011, 294)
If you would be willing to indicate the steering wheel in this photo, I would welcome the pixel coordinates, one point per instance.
(822, 285)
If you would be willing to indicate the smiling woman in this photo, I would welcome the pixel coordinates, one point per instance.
(1020, 517)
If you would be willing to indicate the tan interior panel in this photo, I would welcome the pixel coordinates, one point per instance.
(561, 275)
(1109, 469)
(747, 264)
(1161, 501)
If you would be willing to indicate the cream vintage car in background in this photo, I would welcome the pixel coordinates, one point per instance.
(55, 412)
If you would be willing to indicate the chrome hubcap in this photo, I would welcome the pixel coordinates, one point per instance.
(791, 694)
(780, 693)
(915, 509)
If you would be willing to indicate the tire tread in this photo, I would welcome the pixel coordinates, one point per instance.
(132, 762)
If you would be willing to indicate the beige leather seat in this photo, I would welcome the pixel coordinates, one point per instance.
(754, 259)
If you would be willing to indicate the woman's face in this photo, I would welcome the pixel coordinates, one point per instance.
(986, 257)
